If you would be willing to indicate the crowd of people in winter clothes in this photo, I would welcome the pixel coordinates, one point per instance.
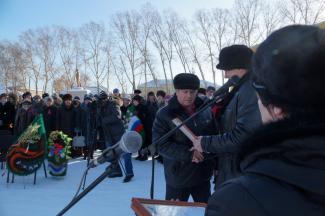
(263, 138)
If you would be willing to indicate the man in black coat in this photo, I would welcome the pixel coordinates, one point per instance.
(3, 113)
(239, 116)
(184, 177)
(283, 163)
(111, 122)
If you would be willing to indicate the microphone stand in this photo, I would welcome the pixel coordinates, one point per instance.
(103, 176)
(93, 139)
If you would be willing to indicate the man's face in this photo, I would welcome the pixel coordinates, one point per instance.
(68, 103)
(3, 100)
(235, 72)
(135, 102)
(151, 98)
(48, 103)
(126, 102)
(26, 106)
(160, 99)
(28, 97)
(86, 101)
(210, 93)
(186, 97)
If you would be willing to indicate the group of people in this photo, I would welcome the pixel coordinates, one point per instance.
(263, 140)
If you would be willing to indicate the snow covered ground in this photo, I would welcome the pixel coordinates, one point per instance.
(50, 195)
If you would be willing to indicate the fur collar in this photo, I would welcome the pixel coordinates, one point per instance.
(276, 133)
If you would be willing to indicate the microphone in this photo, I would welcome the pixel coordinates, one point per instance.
(130, 142)
(233, 81)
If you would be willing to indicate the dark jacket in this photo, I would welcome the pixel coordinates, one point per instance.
(65, 120)
(49, 115)
(23, 119)
(111, 122)
(152, 109)
(2, 116)
(283, 170)
(7, 115)
(179, 170)
(238, 120)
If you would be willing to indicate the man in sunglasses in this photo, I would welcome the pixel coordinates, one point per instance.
(238, 117)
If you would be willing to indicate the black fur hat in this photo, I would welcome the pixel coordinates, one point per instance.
(45, 95)
(288, 69)
(102, 95)
(235, 57)
(67, 97)
(161, 93)
(186, 81)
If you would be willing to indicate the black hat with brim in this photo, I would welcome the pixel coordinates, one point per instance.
(235, 57)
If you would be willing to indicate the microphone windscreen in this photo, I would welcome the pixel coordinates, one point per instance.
(131, 142)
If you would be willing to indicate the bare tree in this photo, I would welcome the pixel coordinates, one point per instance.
(126, 27)
(159, 41)
(271, 18)
(174, 24)
(147, 14)
(246, 14)
(303, 11)
(69, 52)
(93, 35)
(46, 46)
(13, 66)
(29, 42)
(193, 47)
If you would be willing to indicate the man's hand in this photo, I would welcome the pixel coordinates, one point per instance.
(197, 157)
(197, 144)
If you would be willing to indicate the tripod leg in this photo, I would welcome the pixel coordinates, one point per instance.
(35, 177)
(8, 173)
(152, 177)
(45, 173)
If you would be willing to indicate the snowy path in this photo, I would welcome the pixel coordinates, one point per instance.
(49, 196)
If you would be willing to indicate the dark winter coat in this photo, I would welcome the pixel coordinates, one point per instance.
(238, 120)
(283, 168)
(23, 119)
(179, 169)
(9, 113)
(79, 118)
(49, 115)
(152, 109)
(65, 120)
(111, 122)
(2, 116)
(88, 127)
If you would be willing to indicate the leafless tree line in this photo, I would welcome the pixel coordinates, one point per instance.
(137, 46)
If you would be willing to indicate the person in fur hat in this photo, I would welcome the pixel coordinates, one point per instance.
(238, 117)
(65, 120)
(283, 163)
(183, 177)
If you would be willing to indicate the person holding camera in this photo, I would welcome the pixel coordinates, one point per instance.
(110, 120)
